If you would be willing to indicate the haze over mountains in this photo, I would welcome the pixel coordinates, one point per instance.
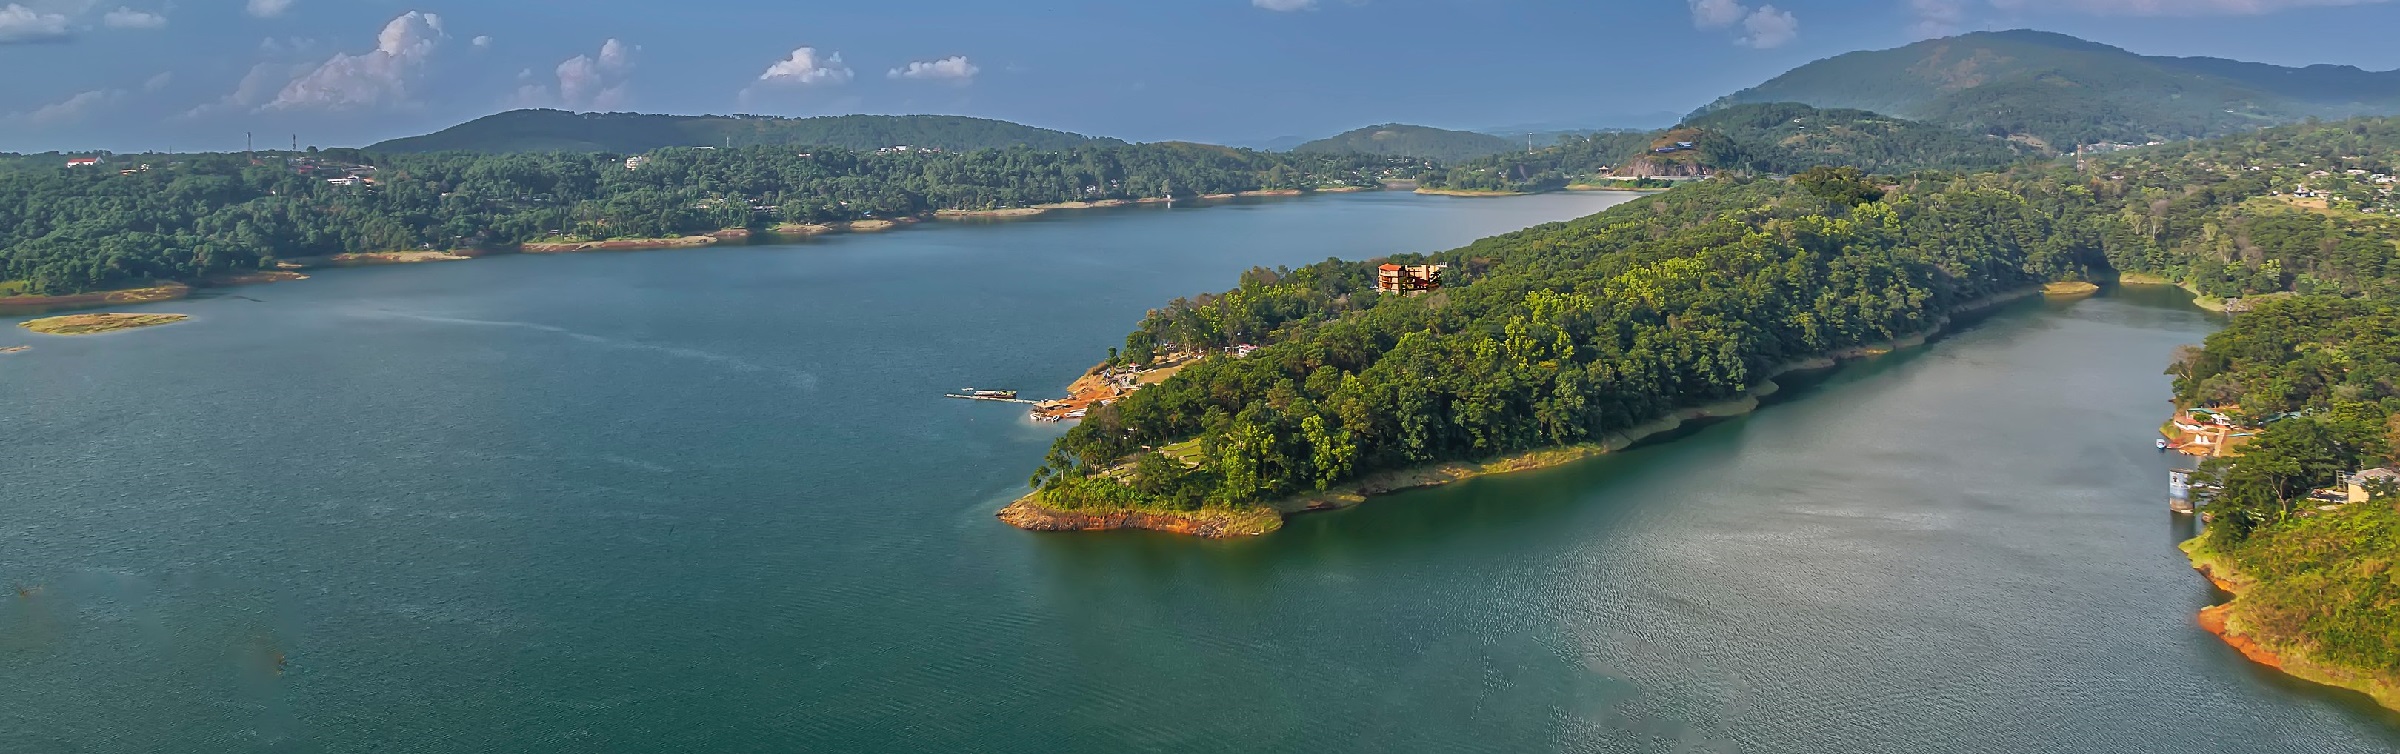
(2049, 91)
(559, 131)
(2066, 91)
(1401, 140)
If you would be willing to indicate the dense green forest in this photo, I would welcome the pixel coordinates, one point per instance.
(1398, 140)
(1564, 333)
(2326, 371)
(1771, 138)
(632, 133)
(2068, 92)
(188, 217)
(1556, 335)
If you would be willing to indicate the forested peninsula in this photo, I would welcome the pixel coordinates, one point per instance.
(145, 221)
(1571, 339)
(1580, 334)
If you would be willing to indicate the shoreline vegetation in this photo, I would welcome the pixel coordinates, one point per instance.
(2302, 522)
(94, 324)
(170, 291)
(1476, 193)
(2231, 621)
(1028, 513)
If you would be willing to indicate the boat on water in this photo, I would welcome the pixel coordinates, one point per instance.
(974, 393)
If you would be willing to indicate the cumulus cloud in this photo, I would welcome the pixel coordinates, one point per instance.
(1763, 27)
(1717, 14)
(256, 87)
(806, 67)
(268, 8)
(481, 42)
(593, 82)
(72, 109)
(377, 78)
(128, 18)
(954, 69)
(1768, 28)
(19, 24)
(159, 82)
(1284, 5)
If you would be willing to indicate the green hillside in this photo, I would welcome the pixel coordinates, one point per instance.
(559, 131)
(1770, 138)
(1398, 140)
(1789, 138)
(2066, 91)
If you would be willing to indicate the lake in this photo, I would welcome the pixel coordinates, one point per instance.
(711, 500)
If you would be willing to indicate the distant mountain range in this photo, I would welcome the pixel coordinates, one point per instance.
(2065, 91)
(626, 133)
(2051, 92)
(1400, 140)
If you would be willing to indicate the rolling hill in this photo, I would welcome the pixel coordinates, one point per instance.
(1399, 140)
(1769, 138)
(1788, 137)
(2065, 91)
(560, 131)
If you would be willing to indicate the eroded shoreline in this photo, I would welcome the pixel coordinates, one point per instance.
(2224, 620)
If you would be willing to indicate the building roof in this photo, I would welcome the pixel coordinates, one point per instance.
(1390, 268)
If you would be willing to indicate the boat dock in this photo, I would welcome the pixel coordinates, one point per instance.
(988, 398)
(999, 396)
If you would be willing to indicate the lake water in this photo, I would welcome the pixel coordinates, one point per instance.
(711, 501)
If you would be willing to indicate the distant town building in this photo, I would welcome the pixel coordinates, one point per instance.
(636, 162)
(82, 162)
(2363, 485)
(1412, 278)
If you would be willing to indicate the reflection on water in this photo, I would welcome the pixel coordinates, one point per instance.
(585, 504)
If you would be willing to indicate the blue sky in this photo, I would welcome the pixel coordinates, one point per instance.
(133, 75)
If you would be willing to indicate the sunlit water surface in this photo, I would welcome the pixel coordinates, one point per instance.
(710, 500)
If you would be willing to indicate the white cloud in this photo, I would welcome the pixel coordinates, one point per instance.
(257, 86)
(72, 109)
(806, 68)
(1717, 14)
(954, 69)
(1768, 28)
(596, 82)
(159, 82)
(1763, 27)
(128, 18)
(481, 42)
(268, 8)
(21, 24)
(376, 78)
(1284, 5)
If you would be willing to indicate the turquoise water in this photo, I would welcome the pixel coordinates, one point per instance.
(710, 500)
